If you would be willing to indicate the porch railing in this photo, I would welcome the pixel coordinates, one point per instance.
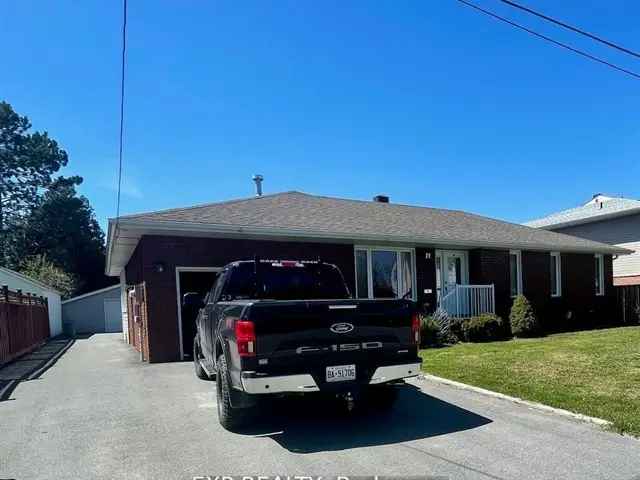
(469, 300)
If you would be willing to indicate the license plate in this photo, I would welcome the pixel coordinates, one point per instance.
(341, 373)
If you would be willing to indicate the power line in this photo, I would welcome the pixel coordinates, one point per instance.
(124, 51)
(573, 29)
(550, 40)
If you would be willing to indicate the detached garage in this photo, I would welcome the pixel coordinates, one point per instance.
(94, 312)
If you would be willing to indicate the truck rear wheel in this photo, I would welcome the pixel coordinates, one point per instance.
(200, 372)
(229, 417)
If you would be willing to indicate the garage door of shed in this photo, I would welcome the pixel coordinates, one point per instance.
(199, 280)
(112, 315)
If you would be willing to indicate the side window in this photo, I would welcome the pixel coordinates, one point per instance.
(240, 282)
(515, 272)
(556, 275)
(599, 274)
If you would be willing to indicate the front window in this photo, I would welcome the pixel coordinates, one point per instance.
(599, 274)
(556, 276)
(384, 273)
(515, 272)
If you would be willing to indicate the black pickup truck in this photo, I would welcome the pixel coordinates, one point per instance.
(270, 327)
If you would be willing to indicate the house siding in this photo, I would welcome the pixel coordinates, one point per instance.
(622, 231)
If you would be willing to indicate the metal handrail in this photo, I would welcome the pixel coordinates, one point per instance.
(469, 300)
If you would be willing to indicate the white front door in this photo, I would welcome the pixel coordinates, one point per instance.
(452, 268)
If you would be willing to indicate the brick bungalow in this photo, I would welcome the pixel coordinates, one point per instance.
(465, 263)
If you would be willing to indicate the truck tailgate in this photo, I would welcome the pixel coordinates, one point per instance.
(308, 336)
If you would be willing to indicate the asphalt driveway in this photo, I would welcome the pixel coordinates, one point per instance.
(100, 413)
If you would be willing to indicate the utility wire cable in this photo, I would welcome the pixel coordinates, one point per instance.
(550, 40)
(124, 51)
(572, 28)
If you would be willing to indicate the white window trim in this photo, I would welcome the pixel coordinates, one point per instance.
(600, 260)
(369, 249)
(558, 274)
(518, 255)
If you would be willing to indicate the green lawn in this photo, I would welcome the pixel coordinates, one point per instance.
(596, 373)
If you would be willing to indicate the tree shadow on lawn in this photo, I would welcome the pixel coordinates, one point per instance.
(317, 424)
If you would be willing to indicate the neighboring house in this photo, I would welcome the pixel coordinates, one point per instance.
(17, 281)
(463, 262)
(604, 219)
(99, 311)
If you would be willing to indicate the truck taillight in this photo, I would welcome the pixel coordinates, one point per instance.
(245, 338)
(415, 329)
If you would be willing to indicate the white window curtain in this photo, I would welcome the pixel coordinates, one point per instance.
(384, 273)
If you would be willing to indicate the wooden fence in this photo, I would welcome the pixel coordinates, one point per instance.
(24, 323)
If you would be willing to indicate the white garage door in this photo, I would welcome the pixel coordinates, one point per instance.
(112, 315)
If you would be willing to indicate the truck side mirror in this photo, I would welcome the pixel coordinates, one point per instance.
(193, 300)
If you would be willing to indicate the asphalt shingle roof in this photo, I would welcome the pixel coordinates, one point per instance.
(342, 218)
(588, 212)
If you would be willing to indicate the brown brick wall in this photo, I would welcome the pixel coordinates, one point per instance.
(426, 278)
(485, 267)
(578, 289)
(492, 267)
(175, 252)
(579, 307)
(133, 270)
(536, 282)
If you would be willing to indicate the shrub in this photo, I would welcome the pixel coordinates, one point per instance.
(455, 329)
(483, 328)
(429, 331)
(522, 318)
(436, 329)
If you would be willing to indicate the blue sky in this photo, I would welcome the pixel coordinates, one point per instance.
(426, 101)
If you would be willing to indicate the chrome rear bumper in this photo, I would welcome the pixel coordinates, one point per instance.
(253, 383)
(394, 372)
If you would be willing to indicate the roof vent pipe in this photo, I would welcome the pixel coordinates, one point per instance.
(258, 179)
(381, 199)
